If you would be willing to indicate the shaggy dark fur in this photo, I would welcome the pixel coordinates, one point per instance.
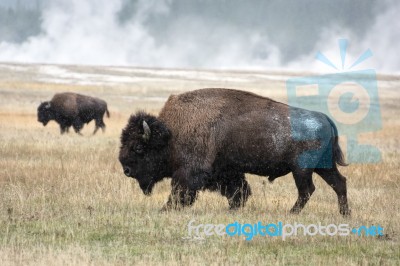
(72, 109)
(208, 139)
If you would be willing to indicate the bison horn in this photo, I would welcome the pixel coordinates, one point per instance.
(147, 131)
(48, 105)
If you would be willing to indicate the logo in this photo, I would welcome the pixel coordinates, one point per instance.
(349, 98)
(279, 229)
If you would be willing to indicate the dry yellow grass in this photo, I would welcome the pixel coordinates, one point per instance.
(65, 201)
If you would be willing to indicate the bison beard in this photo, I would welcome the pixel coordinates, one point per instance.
(209, 138)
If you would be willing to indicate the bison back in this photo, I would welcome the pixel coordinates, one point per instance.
(240, 128)
(235, 124)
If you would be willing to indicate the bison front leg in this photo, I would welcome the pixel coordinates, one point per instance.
(63, 129)
(237, 192)
(305, 186)
(179, 199)
(181, 194)
(77, 125)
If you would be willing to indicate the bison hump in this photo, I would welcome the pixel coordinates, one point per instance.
(65, 103)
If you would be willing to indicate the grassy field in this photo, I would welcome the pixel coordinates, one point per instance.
(65, 201)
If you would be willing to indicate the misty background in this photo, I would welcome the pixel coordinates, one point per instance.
(220, 34)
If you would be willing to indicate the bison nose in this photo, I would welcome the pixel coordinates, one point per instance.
(127, 171)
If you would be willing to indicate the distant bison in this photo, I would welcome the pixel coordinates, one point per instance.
(209, 138)
(72, 109)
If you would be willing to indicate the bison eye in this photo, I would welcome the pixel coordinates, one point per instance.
(139, 149)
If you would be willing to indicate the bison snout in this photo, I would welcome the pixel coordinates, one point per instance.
(127, 171)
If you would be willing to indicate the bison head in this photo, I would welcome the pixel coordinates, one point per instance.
(144, 152)
(45, 113)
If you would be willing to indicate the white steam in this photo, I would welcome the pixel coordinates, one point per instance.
(88, 32)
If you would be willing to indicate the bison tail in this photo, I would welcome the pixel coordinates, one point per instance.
(337, 153)
(108, 113)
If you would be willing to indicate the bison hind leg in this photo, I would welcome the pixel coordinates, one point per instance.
(95, 129)
(334, 179)
(305, 187)
(99, 123)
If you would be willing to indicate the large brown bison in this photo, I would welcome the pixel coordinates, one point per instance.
(209, 138)
(72, 109)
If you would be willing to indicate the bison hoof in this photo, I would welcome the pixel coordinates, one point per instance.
(170, 207)
(235, 206)
(345, 212)
(295, 211)
(166, 208)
